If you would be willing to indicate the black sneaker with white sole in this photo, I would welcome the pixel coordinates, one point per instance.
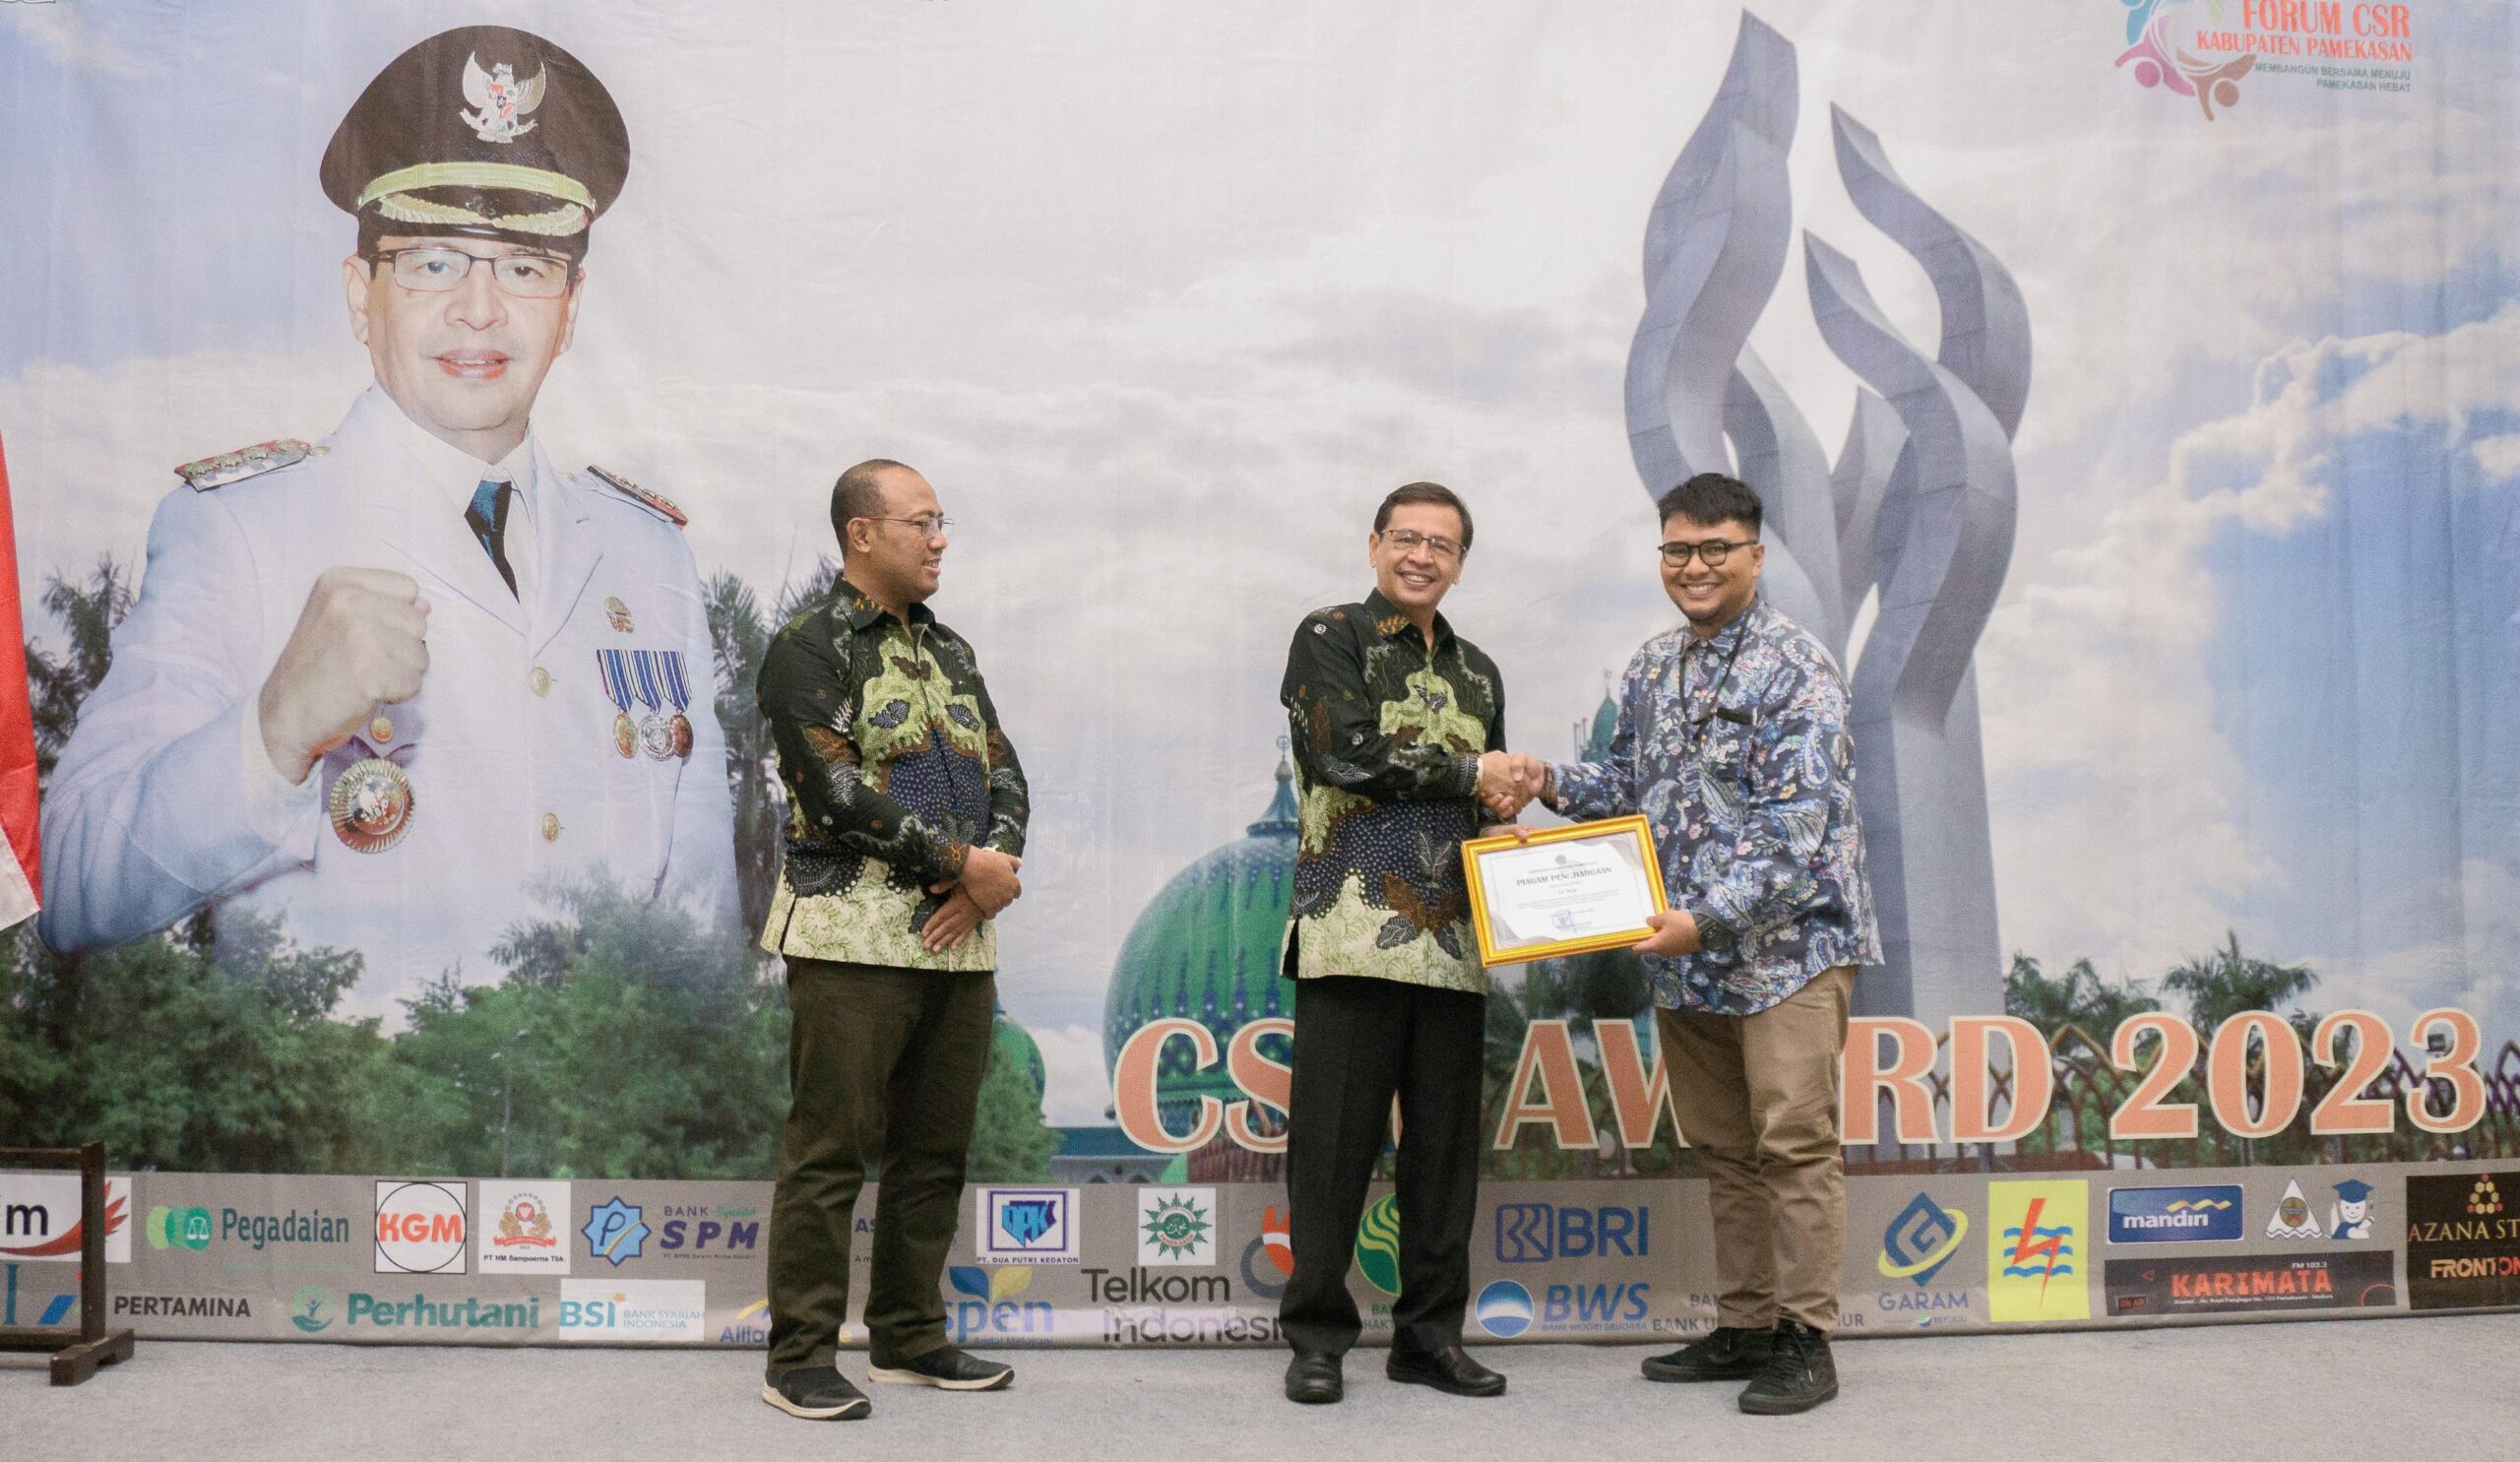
(948, 1370)
(818, 1393)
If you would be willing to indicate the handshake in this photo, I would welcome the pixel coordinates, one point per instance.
(1508, 782)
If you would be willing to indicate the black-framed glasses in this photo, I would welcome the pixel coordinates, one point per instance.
(1711, 551)
(437, 269)
(1410, 541)
(929, 525)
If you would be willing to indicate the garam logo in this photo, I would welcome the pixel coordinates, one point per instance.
(1028, 1226)
(1504, 1309)
(2201, 1214)
(40, 1217)
(419, 1227)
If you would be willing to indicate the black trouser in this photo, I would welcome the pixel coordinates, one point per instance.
(1358, 1043)
(884, 1065)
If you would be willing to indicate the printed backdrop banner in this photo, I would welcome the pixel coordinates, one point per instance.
(2133, 387)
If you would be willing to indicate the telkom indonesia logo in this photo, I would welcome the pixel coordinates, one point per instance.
(2163, 49)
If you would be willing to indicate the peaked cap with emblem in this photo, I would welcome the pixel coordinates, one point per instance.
(486, 130)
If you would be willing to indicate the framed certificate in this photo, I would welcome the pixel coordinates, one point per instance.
(1567, 890)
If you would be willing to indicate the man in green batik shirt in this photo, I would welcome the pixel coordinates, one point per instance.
(905, 822)
(1399, 730)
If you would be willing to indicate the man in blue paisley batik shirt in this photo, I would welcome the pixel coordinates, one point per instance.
(1731, 741)
(1399, 728)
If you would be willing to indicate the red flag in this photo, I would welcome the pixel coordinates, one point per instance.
(21, 872)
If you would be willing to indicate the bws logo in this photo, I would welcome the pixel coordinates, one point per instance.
(179, 1228)
(1504, 1309)
(1176, 1228)
(2209, 1213)
(2034, 1264)
(1536, 1233)
(615, 1232)
(40, 1217)
(988, 1309)
(525, 1225)
(1594, 1306)
(1028, 1226)
(419, 1227)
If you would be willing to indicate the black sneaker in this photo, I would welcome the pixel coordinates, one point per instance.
(947, 1369)
(818, 1393)
(1800, 1373)
(1725, 1354)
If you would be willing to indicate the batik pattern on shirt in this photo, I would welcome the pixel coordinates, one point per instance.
(1735, 749)
(1387, 737)
(895, 766)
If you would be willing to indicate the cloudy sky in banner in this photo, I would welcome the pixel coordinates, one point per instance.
(1164, 295)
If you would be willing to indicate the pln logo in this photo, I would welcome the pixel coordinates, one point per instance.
(1028, 1226)
(419, 1227)
(615, 1232)
(2034, 1262)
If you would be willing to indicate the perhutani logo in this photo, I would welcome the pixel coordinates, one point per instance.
(1378, 1243)
(1504, 1309)
(311, 1309)
(615, 1232)
(422, 1312)
(1028, 1226)
(2206, 1213)
(419, 1227)
(989, 1309)
(1175, 1227)
(177, 1227)
(1268, 1259)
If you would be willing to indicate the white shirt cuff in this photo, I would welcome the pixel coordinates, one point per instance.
(275, 811)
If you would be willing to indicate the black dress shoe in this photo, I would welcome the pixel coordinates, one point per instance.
(1727, 1353)
(1313, 1379)
(1800, 1373)
(946, 1369)
(818, 1393)
(1448, 1369)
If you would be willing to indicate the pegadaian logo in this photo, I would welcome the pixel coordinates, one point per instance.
(177, 1227)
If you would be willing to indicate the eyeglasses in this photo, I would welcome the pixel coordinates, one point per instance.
(929, 525)
(1713, 552)
(1410, 541)
(438, 269)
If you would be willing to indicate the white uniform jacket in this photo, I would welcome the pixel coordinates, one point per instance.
(517, 783)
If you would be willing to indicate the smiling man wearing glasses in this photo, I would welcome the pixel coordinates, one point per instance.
(1731, 741)
(395, 686)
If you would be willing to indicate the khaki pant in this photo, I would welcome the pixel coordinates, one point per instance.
(884, 1071)
(1757, 1096)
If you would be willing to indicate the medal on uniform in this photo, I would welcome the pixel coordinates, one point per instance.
(613, 668)
(371, 802)
(679, 690)
(655, 733)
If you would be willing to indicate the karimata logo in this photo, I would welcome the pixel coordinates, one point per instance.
(419, 1227)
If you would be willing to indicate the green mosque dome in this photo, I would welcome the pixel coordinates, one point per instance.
(1605, 725)
(1206, 948)
(1013, 1045)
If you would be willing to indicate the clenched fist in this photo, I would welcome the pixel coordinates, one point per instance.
(358, 642)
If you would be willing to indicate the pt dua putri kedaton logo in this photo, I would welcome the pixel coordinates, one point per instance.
(1028, 1226)
(419, 1227)
(614, 1231)
(1176, 1228)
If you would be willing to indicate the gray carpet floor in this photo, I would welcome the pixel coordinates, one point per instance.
(2432, 1387)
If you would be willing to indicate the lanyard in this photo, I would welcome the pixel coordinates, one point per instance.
(1698, 724)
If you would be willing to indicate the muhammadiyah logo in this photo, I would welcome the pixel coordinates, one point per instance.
(1378, 1244)
(179, 1228)
(1175, 1227)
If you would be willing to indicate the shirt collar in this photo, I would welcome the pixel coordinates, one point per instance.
(454, 473)
(1723, 641)
(1391, 623)
(859, 612)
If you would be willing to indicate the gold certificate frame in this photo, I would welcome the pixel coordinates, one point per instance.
(1563, 890)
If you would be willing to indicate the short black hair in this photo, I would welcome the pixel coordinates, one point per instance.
(1426, 492)
(1711, 498)
(860, 493)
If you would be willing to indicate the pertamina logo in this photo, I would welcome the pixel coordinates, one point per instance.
(419, 1227)
(2199, 1214)
(1536, 1232)
(51, 1313)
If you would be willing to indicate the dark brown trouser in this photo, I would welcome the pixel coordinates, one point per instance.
(883, 1068)
(1757, 1096)
(1358, 1043)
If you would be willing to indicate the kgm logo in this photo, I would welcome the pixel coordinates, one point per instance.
(419, 1227)
(1536, 1233)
